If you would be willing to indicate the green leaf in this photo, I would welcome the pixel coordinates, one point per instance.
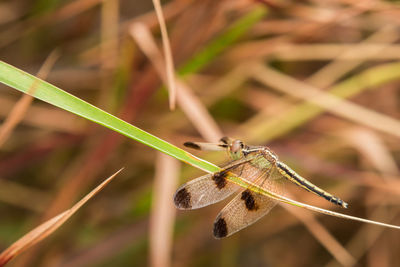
(51, 94)
(23, 82)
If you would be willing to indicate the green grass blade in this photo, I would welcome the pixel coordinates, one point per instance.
(51, 94)
(44, 91)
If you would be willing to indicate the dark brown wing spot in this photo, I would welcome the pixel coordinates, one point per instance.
(220, 179)
(182, 199)
(249, 201)
(220, 228)
(224, 140)
(192, 145)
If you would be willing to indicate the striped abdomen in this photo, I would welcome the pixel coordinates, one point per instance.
(302, 182)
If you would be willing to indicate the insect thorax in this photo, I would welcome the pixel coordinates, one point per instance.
(261, 157)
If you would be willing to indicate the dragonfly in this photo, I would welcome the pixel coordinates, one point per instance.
(257, 164)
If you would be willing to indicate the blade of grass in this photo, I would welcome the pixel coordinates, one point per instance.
(247, 184)
(48, 227)
(46, 92)
(90, 173)
(144, 39)
(188, 102)
(199, 117)
(49, 93)
(195, 110)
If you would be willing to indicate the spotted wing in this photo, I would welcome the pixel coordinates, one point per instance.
(248, 207)
(207, 189)
(206, 146)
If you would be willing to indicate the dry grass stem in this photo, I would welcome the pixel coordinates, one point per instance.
(189, 103)
(317, 82)
(338, 52)
(323, 236)
(109, 47)
(373, 149)
(329, 102)
(29, 25)
(162, 216)
(23, 196)
(21, 107)
(48, 227)
(169, 63)
(336, 69)
(56, 120)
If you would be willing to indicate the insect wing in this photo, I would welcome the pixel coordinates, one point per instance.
(208, 189)
(206, 146)
(248, 206)
(204, 191)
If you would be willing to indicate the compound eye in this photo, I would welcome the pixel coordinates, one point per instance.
(236, 146)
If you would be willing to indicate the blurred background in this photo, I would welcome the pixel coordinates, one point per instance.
(317, 81)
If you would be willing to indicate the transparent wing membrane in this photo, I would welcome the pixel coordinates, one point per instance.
(248, 206)
(203, 191)
(256, 164)
(206, 146)
(207, 189)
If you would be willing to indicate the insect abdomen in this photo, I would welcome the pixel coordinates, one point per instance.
(302, 182)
